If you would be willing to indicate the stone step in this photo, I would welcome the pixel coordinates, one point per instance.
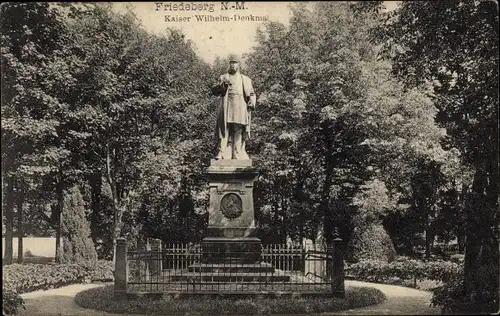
(229, 277)
(232, 268)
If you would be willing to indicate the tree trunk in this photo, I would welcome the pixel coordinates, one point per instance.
(427, 244)
(481, 252)
(328, 224)
(9, 220)
(116, 231)
(422, 209)
(461, 240)
(118, 208)
(301, 228)
(429, 240)
(328, 221)
(96, 185)
(58, 215)
(461, 231)
(284, 221)
(428, 235)
(20, 223)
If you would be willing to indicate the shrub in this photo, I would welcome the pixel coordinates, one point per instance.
(11, 301)
(101, 270)
(32, 277)
(449, 294)
(441, 270)
(77, 244)
(404, 269)
(453, 299)
(22, 278)
(370, 242)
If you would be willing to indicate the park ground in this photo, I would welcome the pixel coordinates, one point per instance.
(400, 301)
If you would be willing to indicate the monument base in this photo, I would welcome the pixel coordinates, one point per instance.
(261, 267)
(230, 250)
(224, 273)
(231, 232)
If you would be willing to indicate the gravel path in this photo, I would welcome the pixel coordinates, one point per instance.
(59, 302)
(400, 301)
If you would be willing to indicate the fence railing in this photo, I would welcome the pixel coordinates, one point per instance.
(180, 268)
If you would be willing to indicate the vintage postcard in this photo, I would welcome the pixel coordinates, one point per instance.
(249, 158)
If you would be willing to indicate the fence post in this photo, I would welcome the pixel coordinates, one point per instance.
(121, 273)
(147, 259)
(309, 266)
(338, 268)
(330, 266)
(156, 262)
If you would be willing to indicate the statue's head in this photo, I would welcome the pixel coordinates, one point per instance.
(234, 63)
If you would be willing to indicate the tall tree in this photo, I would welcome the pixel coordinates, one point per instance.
(138, 92)
(37, 81)
(454, 46)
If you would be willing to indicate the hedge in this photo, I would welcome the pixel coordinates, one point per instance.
(23, 278)
(404, 269)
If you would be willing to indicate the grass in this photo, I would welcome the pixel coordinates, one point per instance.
(102, 299)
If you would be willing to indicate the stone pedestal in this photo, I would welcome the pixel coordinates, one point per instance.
(231, 222)
(230, 251)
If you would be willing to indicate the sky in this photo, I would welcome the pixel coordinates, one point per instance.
(212, 39)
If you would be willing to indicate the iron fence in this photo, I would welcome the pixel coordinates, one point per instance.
(160, 269)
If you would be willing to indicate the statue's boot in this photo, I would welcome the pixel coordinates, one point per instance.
(224, 154)
(240, 154)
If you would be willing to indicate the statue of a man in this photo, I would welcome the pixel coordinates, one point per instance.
(234, 112)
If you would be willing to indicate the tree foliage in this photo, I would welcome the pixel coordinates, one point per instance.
(91, 98)
(454, 47)
(333, 121)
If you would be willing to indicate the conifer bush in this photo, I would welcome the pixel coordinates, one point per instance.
(77, 246)
(371, 242)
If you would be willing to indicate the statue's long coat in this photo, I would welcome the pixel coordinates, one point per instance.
(221, 90)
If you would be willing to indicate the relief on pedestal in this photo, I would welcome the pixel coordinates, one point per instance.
(231, 205)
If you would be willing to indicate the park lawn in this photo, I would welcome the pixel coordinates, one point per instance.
(102, 299)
